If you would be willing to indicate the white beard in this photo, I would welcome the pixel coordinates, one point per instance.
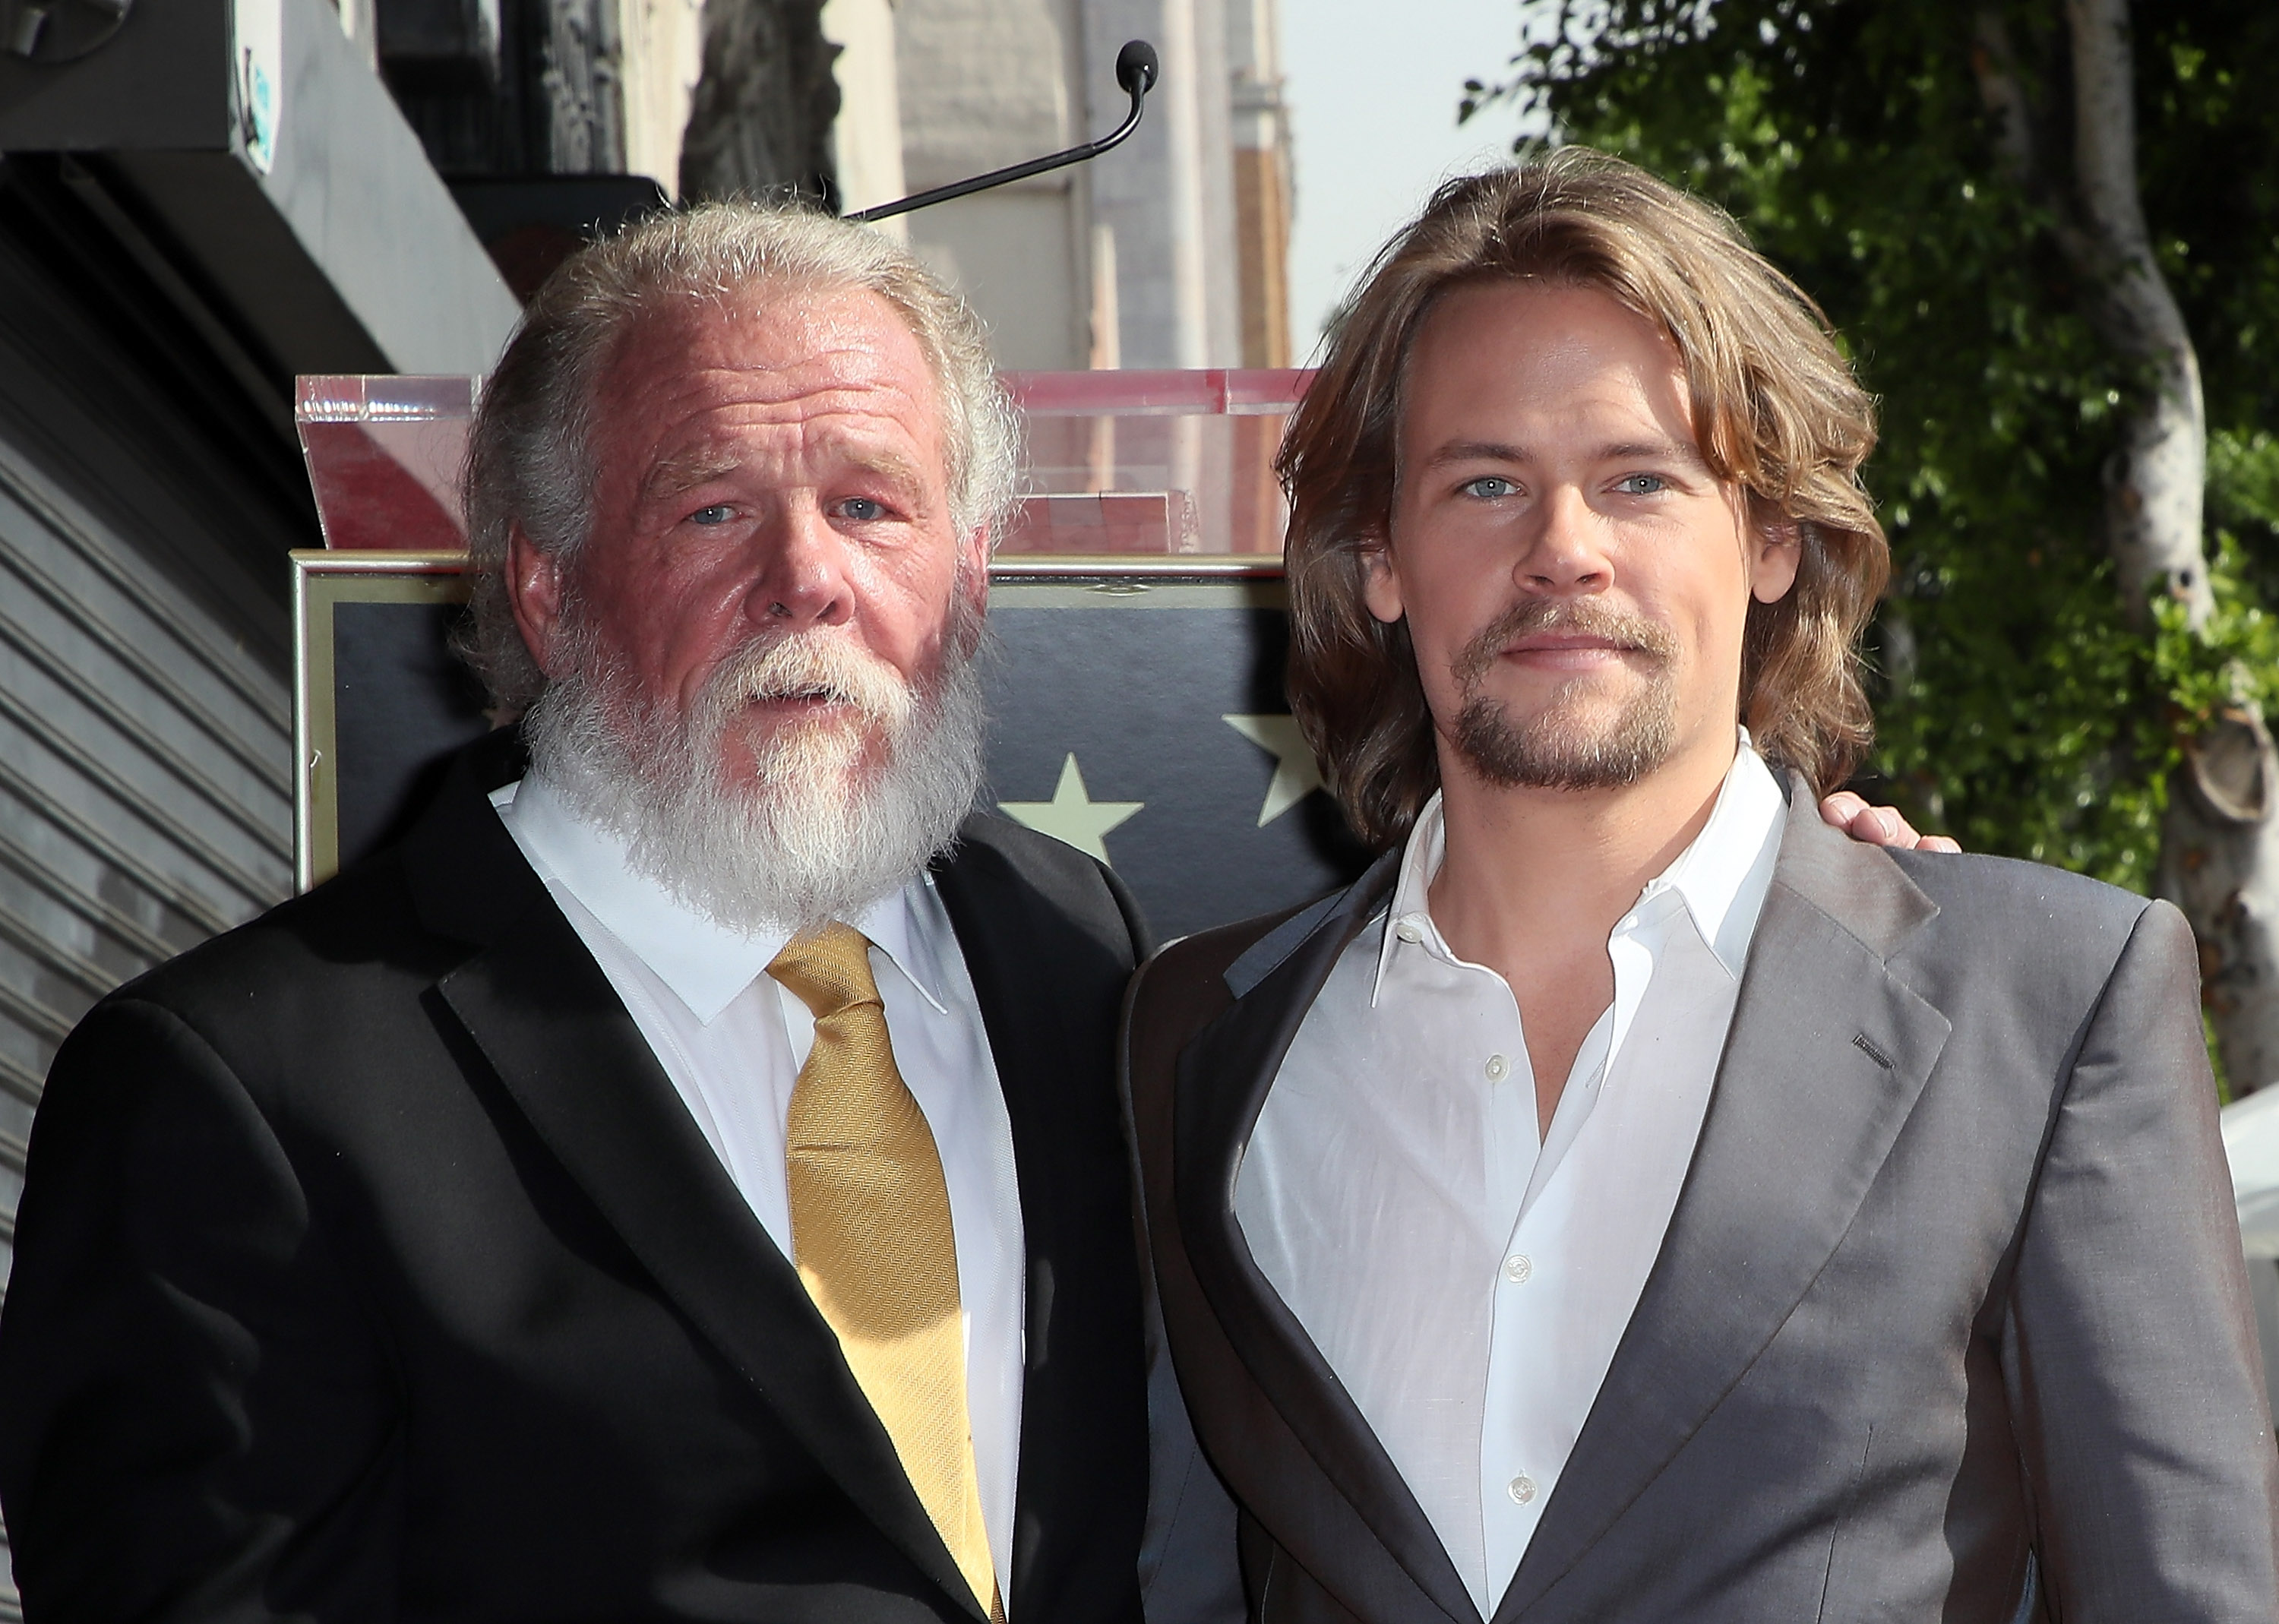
(842, 809)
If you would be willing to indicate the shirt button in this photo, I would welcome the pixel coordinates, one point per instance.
(1521, 1489)
(1517, 1267)
(1498, 1068)
(1409, 931)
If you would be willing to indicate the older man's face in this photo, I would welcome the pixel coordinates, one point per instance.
(764, 474)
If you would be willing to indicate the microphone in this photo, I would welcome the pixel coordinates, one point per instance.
(1136, 71)
(1136, 68)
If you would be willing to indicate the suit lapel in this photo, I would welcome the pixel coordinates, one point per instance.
(1034, 967)
(1031, 1047)
(1221, 1085)
(554, 1031)
(1826, 1054)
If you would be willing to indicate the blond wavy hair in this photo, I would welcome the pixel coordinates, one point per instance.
(1775, 408)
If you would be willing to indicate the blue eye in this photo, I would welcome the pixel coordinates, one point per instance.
(1642, 485)
(719, 513)
(1488, 487)
(863, 509)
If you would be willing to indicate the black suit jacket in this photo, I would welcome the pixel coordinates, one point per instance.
(1951, 1323)
(369, 1267)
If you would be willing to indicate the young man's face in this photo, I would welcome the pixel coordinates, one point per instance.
(1574, 580)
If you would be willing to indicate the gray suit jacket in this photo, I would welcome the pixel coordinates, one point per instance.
(1950, 1323)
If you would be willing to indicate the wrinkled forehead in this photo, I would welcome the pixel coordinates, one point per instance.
(771, 342)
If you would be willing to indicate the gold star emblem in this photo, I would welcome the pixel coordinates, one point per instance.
(1073, 814)
(1296, 773)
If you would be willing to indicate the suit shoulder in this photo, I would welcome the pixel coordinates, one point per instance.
(1053, 875)
(360, 918)
(2011, 893)
(1036, 856)
(2005, 924)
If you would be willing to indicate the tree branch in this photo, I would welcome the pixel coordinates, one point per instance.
(1995, 66)
(2154, 488)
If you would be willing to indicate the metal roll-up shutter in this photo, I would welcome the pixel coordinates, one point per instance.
(143, 780)
(147, 500)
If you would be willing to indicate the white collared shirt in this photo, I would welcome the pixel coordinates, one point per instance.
(1467, 1283)
(733, 1040)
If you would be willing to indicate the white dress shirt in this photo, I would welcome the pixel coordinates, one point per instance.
(1467, 1282)
(733, 1040)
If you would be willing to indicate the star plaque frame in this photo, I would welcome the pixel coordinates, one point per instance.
(1136, 708)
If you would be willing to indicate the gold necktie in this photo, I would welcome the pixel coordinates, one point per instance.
(872, 1238)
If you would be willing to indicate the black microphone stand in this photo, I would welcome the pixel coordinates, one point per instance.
(1136, 70)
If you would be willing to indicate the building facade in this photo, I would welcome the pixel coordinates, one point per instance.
(1167, 252)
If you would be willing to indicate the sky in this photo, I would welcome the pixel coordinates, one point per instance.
(1372, 86)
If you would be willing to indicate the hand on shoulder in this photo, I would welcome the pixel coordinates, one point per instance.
(1879, 825)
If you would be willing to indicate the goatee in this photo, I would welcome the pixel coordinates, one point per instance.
(843, 805)
(1573, 743)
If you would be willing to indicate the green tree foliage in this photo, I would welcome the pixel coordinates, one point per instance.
(2018, 707)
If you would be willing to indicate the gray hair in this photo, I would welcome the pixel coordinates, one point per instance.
(530, 458)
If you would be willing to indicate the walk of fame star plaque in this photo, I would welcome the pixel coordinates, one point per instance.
(1136, 712)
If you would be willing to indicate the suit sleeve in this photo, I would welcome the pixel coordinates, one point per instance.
(2131, 1353)
(195, 1413)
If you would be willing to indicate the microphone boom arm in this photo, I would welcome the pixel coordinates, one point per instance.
(1135, 70)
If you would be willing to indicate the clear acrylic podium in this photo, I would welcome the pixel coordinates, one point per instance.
(1120, 464)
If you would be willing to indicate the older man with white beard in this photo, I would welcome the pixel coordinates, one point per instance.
(683, 1179)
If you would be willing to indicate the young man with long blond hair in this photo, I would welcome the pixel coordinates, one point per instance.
(1631, 1199)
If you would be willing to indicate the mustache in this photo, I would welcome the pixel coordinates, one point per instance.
(808, 666)
(1578, 617)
